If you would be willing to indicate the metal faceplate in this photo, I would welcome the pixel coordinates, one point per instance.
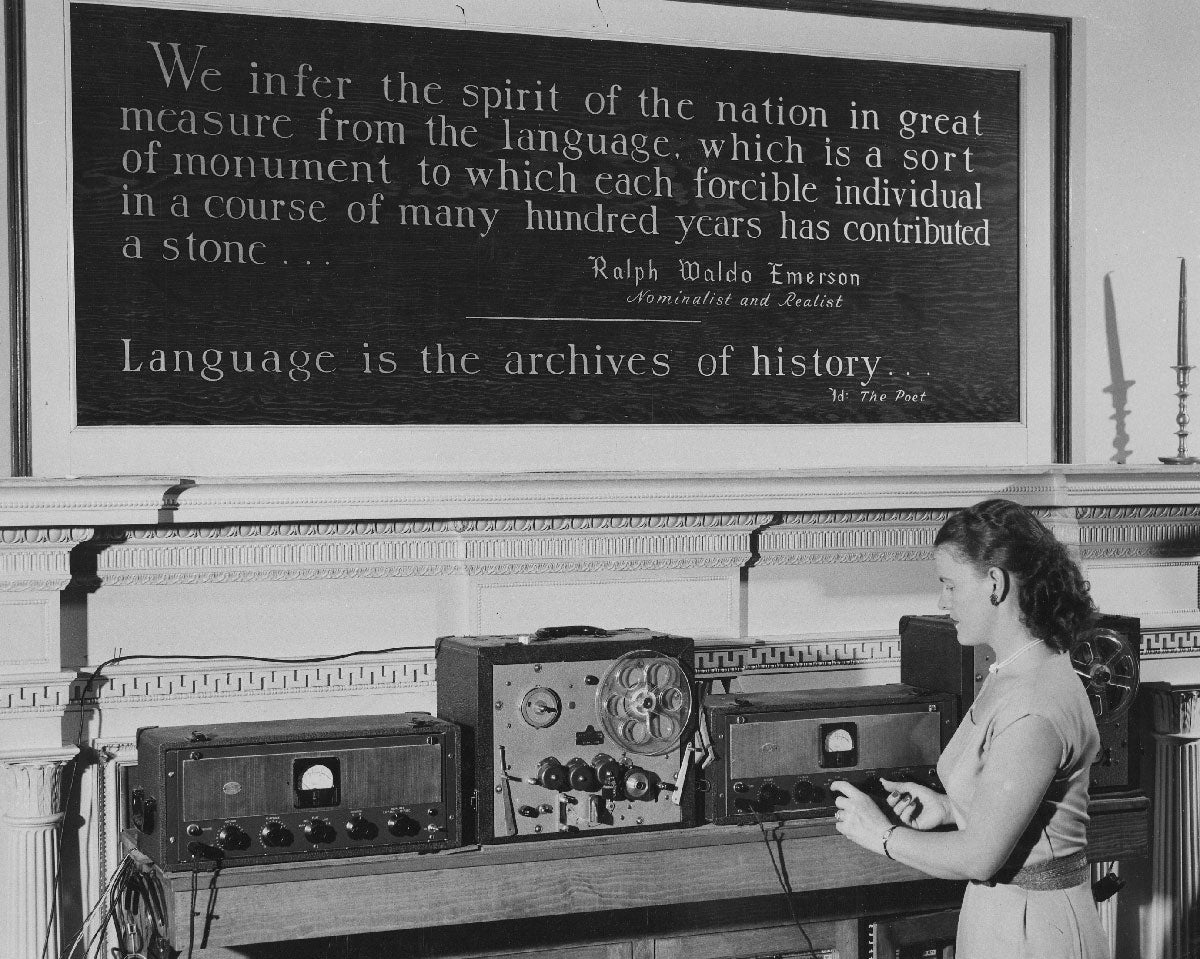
(794, 746)
(548, 712)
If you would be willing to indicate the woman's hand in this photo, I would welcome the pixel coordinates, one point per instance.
(918, 806)
(858, 818)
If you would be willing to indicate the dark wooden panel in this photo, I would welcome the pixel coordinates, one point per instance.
(171, 253)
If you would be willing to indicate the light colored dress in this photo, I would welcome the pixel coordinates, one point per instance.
(1001, 920)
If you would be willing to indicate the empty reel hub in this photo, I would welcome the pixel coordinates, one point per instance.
(645, 702)
(1105, 662)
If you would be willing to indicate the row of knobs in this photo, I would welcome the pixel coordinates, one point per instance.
(807, 793)
(771, 795)
(579, 774)
(274, 834)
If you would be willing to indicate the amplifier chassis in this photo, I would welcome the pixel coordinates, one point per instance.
(281, 791)
(777, 753)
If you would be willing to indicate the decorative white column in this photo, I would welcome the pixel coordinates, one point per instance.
(32, 788)
(1174, 915)
(39, 626)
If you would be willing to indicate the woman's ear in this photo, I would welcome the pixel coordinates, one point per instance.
(1000, 581)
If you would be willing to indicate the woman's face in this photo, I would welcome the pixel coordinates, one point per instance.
(965, 596)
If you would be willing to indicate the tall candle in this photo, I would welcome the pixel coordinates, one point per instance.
(1182, 361)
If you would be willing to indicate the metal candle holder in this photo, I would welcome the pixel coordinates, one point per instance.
(1181, 458)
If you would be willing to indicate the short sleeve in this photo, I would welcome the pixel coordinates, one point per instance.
(1017, 708)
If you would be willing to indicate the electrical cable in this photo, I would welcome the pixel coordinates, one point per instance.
(192, 910)
(211, 906)
(785, 883)
(95, 674)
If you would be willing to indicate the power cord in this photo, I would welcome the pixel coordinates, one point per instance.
(785, 883)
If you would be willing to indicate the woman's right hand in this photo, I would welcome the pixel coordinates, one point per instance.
(918, 806)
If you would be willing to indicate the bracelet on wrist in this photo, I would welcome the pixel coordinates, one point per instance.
(887, 834)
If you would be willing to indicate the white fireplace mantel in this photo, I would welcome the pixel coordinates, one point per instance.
(103, 501)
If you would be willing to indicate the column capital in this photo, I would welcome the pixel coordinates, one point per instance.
(1175, 711)
(38, 560)
(31, 785)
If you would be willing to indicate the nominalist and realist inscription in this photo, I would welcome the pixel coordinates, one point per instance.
(293, 221)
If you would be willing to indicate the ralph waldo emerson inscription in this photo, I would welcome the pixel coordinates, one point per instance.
(291, 221)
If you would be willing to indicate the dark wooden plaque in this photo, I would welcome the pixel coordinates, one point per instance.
(301, 222)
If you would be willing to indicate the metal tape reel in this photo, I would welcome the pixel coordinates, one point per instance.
(645, 702)
(139, 917)
(1106, 663)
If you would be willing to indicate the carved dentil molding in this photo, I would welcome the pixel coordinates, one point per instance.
(1170, 643)
(850, 537)
(31, 787)
(1099, 532)
(718, 660)
(273, 551)
(38, 560)
(180, 682)
(34, 693)
(153, 684)
(1115, 532)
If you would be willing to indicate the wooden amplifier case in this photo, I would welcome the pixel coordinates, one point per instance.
(290, 790)
(776, 753)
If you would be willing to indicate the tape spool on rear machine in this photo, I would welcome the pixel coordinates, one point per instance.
(1105, 656)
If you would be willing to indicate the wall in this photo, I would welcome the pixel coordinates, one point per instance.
(1135, 202)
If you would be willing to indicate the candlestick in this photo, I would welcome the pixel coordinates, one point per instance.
(1181, 419)
(1182, 351)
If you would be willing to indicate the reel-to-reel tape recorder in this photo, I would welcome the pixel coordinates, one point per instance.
(571, 730)
(1105, 657)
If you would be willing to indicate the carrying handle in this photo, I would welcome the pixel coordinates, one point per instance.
(560, 632)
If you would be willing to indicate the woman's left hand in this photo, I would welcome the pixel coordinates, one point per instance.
(858, 818)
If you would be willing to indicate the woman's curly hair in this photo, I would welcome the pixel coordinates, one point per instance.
(1052, 594)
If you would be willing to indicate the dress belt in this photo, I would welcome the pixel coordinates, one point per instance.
(1064, 873)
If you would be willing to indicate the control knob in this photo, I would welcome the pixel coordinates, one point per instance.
(359, 827)
(231, 836)
(582, 776)
(400, 824)
(770, 795)
(317, 831)
(275, 833)
(551, 774)
(806, 792)
(608, 770)
(638, 784)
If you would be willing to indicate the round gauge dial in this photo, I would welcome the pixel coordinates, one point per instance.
(839, 741)
(316, 777)
(541, 707)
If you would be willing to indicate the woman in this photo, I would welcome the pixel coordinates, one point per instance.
(1013, 819)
